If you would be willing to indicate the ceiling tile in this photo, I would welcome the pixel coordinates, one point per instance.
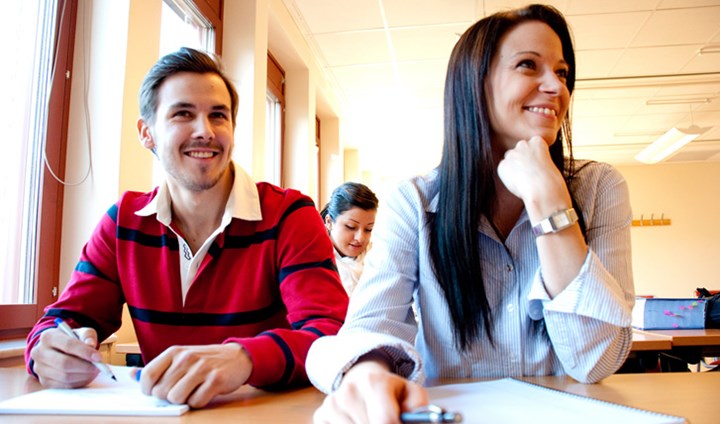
(400, 13)
(606, 107)
(677, 4)
(709, 62)
(353, 48)
(434, 42)
(427, 72)
(664, 60)
(323, 16)
(679, 26)
(609, 89)
(621, 45)
(361, 79)
(596, 63)
(592, 31)
(584, 7)
(707, 118)
(691, 90)
(595, 130)
(651, 122)
(492, 6)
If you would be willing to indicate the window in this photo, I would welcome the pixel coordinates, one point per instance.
(39, 36)
(182, 26)
(274, 110)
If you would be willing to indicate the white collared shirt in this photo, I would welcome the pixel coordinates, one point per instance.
(586, 331)
(244, 203)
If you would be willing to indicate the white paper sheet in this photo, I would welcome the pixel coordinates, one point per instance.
(101, 397)
(513, 401)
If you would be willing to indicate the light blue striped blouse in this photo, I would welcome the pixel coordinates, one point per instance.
(587, 332)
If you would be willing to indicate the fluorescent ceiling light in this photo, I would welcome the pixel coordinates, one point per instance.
(712, 48)
(678, 101)
(668, 143)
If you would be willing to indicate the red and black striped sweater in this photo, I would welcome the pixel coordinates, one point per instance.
(270, 285)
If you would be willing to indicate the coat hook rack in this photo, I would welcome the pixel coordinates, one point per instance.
(652, 222)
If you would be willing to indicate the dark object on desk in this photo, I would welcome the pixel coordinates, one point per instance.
(648, 361)
(134, 360)
(712, 307)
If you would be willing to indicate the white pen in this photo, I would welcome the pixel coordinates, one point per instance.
(62, 325)
(431, 414)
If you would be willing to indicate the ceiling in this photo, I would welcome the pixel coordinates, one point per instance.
(387, 61)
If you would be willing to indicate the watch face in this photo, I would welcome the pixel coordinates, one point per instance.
(556, 222)
(560, 219)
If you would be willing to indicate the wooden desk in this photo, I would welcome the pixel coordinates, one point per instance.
(709, 337)
(692, 344)
(127, 348)
(645, 341)
(683, 394)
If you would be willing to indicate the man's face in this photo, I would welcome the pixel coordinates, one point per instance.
(193, 131)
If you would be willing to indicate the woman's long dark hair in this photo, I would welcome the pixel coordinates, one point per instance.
(467, 168)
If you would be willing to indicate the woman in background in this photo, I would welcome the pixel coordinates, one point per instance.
(349, 218)
(515, 256)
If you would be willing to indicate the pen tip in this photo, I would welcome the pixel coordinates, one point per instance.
(113, 377)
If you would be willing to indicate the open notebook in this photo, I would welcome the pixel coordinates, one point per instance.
(101, 397)
(513, 401)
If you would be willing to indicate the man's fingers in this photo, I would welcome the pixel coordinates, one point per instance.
(88, 336)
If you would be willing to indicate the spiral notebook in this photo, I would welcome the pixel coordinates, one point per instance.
(513, 401)
(101, 397)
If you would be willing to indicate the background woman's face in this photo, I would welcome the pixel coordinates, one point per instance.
(526, 86)
(350, 233)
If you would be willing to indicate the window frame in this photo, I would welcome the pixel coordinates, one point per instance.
(212, 10)
(18, 319)
(276, 85)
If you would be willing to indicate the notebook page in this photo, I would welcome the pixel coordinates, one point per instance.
(101, 397)
(514, 401)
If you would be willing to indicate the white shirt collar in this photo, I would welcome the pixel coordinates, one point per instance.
(243, 203)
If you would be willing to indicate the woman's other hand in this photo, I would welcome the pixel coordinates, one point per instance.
(370, 393)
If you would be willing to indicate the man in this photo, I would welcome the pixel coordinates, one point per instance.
(228, 282)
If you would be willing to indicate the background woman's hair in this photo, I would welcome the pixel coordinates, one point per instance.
(467, 170)
(347, 196)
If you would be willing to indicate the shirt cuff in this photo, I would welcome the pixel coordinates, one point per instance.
(566, 301)
(331, 357)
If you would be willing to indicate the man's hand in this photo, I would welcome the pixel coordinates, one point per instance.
(370, 393)
(196, 374)
(61, 361)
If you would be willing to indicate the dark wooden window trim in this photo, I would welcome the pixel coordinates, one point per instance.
(212, 10)
(17, 320)
(276, 85)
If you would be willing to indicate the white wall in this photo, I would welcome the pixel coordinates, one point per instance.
(671, 261)
(245, 41)
(113, 50)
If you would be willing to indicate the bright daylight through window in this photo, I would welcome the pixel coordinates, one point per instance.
(27, 42)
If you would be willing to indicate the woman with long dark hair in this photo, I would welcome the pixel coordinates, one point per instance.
(515, 256)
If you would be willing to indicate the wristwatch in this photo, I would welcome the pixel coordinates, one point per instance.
(558, 221)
